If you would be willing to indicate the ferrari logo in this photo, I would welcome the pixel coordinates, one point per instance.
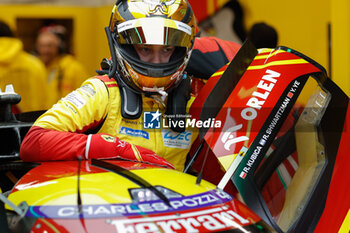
(160, 2)
(108, 138)
(161, 6)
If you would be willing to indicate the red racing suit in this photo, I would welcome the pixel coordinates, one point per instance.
(209, 55)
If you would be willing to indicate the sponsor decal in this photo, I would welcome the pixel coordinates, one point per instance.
(134, 132)
(133, 74)
(177, 140)
(229, 138)
(213, 197)
(250, 112)
(254, 104)
(125, 25)
(213, 219)
(76, 99)
(151, 120)
(89, 90)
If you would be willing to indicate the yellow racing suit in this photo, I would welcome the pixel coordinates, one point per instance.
(25, 72)
(88, 123)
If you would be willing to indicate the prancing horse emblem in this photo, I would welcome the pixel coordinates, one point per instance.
(160, 5)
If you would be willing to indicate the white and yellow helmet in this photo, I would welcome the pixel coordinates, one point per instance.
(152, 22)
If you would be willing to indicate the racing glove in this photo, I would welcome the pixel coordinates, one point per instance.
(103, 146)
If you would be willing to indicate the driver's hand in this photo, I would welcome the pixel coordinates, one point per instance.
(104, 146)
(137, 153)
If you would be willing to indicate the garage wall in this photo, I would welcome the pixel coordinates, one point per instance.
(299, 25)
(340, 10)
(88, 38)
(304, 26)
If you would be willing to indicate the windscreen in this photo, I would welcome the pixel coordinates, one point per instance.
(292, 165)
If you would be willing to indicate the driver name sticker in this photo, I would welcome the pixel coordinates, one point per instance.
(284, 105)
(202, 200)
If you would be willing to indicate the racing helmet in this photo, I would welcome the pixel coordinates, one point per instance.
(151, 22)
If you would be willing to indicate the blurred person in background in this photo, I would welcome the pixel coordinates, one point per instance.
(226, 23)
(64, 72)
(263, 35)
(24, 71)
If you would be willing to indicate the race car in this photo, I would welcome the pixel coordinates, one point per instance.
(282, 141)
(284, 138)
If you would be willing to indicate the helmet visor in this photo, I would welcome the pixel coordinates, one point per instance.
(154, 31)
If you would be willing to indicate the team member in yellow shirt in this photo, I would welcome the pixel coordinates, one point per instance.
(24, 71)
(64, 72)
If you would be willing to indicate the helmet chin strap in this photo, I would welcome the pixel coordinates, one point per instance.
(158, 94)
(160, 99)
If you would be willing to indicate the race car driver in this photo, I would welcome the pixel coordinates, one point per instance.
(151, 44)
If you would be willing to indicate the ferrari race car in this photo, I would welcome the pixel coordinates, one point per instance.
(282, 141)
